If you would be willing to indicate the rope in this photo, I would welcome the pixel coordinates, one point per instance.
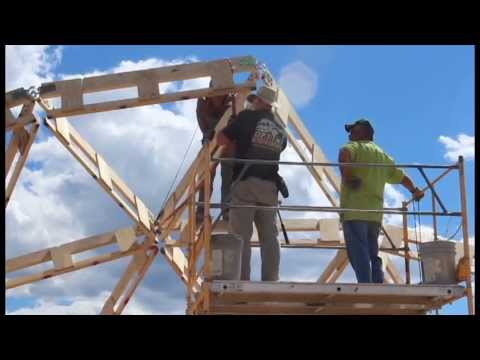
(456, 231)
(417, 238)
(179, 168)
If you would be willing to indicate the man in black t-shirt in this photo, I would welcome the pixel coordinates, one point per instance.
(256, 134)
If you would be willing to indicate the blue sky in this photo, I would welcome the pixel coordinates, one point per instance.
(412, 95)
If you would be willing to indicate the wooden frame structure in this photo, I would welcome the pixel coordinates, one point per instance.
(184, 243)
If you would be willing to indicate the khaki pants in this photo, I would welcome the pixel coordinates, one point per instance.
(255, 191)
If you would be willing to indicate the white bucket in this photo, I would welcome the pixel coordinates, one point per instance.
(226, 256)
(438, 262)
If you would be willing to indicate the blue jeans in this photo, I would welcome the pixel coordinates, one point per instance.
(361, 238)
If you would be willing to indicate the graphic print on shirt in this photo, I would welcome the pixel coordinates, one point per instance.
(268, 136)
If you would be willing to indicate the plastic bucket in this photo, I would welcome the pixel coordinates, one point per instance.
(438, 262)
(226, 256)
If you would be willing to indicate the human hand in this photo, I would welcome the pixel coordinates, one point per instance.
(418, 194)
(354, 182)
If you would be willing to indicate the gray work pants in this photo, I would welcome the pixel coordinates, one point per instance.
(226, 171)
(255, 191)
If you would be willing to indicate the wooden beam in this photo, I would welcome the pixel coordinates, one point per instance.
(159, 75)
(338, 271)
(146, 81)
(21, 161)
(393, 271)
(10, 153)
(17, 97)
(335, 263)
(287, 289)
(74, 247)
(102, 172)
(76, 266)
(129, 282)
(61, 258)
(25, 117)
(125, 238)
(307, 138)
(275, 308)
(317, 175)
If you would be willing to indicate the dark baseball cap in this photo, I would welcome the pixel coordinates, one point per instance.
(364, 122)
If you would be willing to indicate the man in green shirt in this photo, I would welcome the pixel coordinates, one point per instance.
(363, 188)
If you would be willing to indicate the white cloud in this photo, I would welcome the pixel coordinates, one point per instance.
(393, 199)
(464, 145)
(299, 82)
(30, 65)
(80, 306)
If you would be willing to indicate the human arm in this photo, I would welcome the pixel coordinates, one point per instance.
(344, 156)
(408, 184)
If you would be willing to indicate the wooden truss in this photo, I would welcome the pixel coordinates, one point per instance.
(174, 233)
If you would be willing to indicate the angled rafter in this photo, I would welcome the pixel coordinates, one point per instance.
(24, 131)
(108, 179)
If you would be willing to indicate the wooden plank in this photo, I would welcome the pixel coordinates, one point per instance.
(109, 306)
(142, 270)
(104, 172)
(222, 75)
(9, 118)
(162, 74)
(123, 187)
(61, 258)
(329, 229)
(466, 246)
(318, 155)
(300, 224)
(283, 107)
(74, 247)
(268, 287)
(77, 266)
(71, 93)
(94, 170)
(393, 272)
(183, 184)
(10, 153)
(147, 85)
(83, 144)
(338, 271)
(63, 129)
(322, 299)
(20, 124)
(273, 308)
(130, 103)
(307, 138)
(25, 117)
(179, 262)
(20, 163)
(142, 212)
(317, 175)
(125, 238)
(336, 262)
(17, 97)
